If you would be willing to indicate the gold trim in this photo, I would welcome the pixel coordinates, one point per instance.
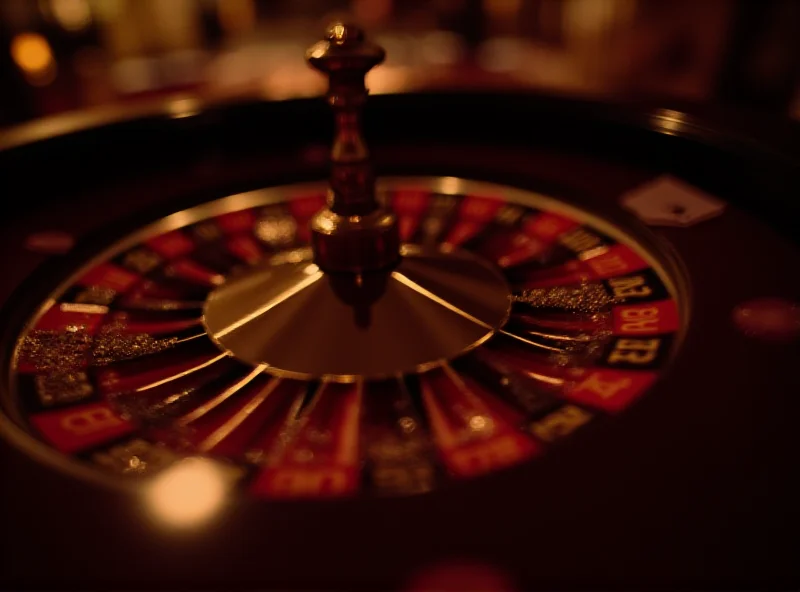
(667, 258)
(410, 251)
(445, 185)
(240, 417)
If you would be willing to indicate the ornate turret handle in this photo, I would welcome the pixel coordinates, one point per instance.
(355, 233)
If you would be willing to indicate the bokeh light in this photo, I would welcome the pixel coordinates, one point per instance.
(34, 56)
(187, 494)
(73, 15)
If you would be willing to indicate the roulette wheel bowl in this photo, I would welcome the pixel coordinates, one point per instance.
(359, 320)
(685, 486)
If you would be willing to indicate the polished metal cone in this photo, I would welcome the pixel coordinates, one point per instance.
(300, 322)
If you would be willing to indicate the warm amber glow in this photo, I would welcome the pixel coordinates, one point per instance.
(502, 8)
(388, 79)
(188, 493)
(673, 121)
(183, 107)
(237, 16)
(372, 12)
(479, 423)
(32, 53)
(585, 20)
(450, 186)
(73, 15)
(293, 80)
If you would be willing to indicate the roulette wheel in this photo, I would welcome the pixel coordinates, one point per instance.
(275, 358)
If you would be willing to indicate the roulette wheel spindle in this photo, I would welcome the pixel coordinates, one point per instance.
(356, 263)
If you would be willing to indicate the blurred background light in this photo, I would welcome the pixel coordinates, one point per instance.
(188, 493)
(34, 56)
(72, 15)
(65, 55)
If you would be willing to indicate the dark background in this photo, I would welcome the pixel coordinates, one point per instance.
(63, 55)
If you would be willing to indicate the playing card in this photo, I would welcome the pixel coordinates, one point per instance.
(667, 201)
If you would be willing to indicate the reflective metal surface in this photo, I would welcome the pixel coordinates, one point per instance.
(673, 442)
(642, 243)
(354, 233)
(300, 322)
